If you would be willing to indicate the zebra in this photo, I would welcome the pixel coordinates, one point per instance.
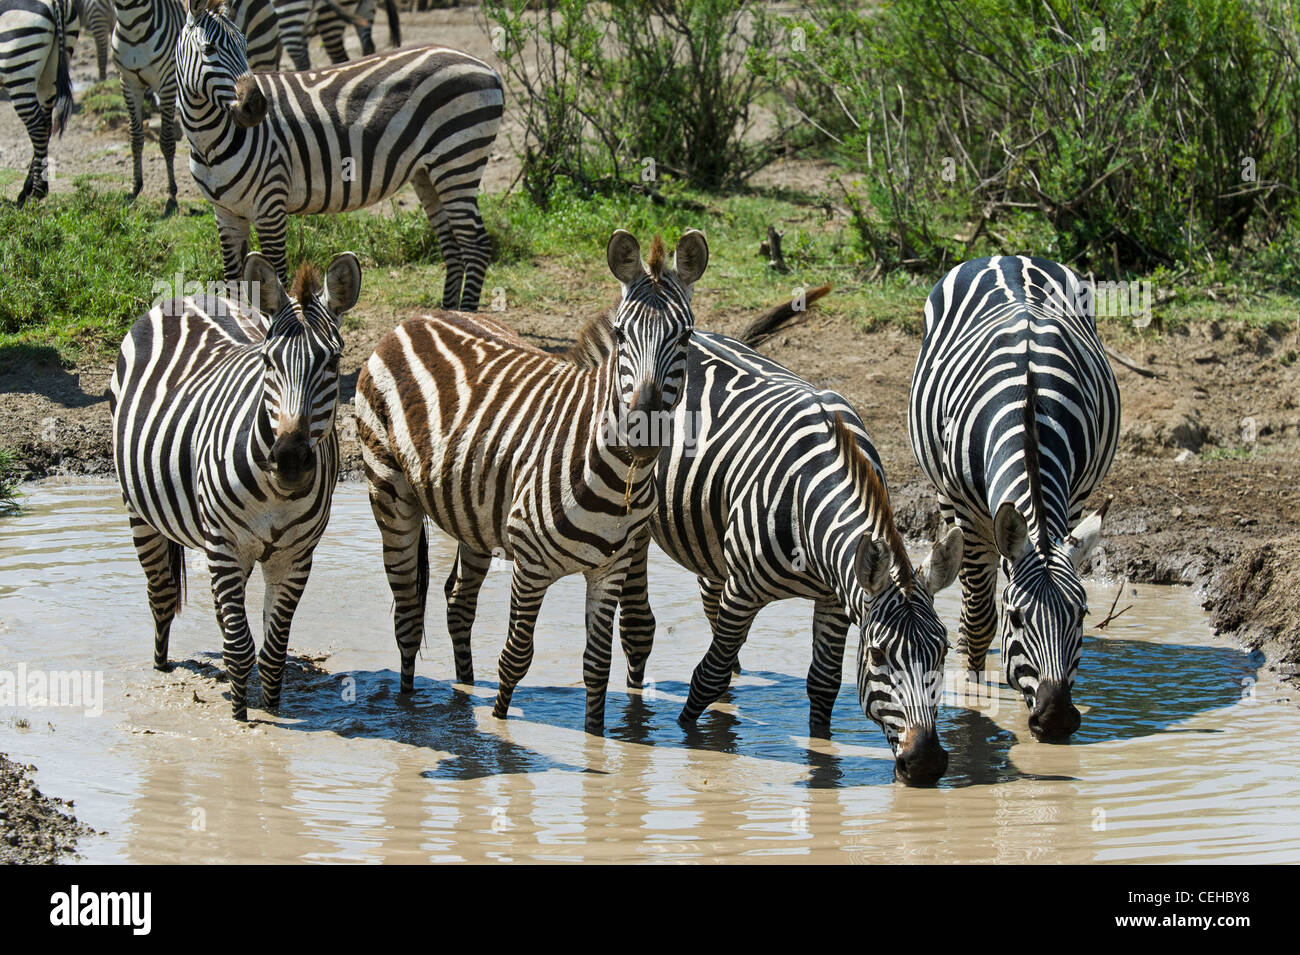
(257, 20)
(329, 18)
(772, 489)
(99, 21)
(224, 441)
(513, 452)
(144, 44)
(1014, 417)
(36, 40)
(277, 144)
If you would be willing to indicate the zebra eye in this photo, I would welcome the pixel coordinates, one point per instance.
(877, 656)
(209, 48)
(1016, 620)
(333, 363)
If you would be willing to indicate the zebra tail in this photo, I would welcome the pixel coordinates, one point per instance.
(767, 323)
(394, 27)
(176, 556)
(63, 80)
(422, 568)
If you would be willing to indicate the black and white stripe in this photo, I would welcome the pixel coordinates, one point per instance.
(267, 146)
(224, 441)
(144, 52)
(1015, 417)
(99, 23)
(516, 453)
(36, 39)
(257, 20)
(329, 19)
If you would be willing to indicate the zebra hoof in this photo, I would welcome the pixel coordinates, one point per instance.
(165, 667)
(465, 676)
(819, 730)
(499, 711)
(169, 210)
(686, 722)
(595, 727)
(240, 714)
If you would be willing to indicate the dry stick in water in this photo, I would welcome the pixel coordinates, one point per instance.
(1111, 614)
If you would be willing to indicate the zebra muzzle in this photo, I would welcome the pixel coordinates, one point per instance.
(292, 460)
(921, 760)
(250, 102)
(1054, 717)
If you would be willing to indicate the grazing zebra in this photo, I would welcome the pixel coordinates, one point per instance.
(513, 452)
(269, 146)
(257, 20)
(36, 39)
(224, 441)
(99, 21)
(1014, 418)
(772, 489)
(144, 45)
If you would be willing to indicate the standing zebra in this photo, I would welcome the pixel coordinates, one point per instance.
(512, 452)
(1015, 418)
(224, 440)
(257, 20)
(144, 51)
(36, 39)
(330, 18)
(99, 21)
(772, 489)
(269, 146)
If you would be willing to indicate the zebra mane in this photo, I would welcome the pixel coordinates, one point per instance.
(1033, 461)
(306, 283)
(866, 479)
(655, 261)
(214, 7)
(594, 343)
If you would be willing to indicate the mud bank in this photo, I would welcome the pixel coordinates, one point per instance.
(34, 828)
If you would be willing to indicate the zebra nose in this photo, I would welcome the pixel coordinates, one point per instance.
(921, 760)
(644, 439)
(1054, 717)
(292, 458)
(250, 102)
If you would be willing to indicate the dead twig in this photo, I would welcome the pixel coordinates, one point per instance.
(1111, 614)
(1129, 363)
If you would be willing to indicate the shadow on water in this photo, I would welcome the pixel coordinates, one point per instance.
(1136, 688)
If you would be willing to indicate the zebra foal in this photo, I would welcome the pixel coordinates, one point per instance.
(224, 441)
(1014, 417)
(36, 39)
(516, 453)
(269, 146)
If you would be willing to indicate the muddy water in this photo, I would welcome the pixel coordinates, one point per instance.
(1187, 750)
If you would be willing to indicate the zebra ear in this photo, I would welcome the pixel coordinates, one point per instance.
(342, 282)
(1083, 539)
(263, 284)
(871, 564)
(691, 257)
(624, 256)
(1010, 532)
(940, 568)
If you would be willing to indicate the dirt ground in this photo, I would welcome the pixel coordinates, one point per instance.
(1206, 482)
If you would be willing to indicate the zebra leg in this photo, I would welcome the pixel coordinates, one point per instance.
(979, 577)
(603, 591)
(133, 93)
(636, 621)
(451, 256)
(462, 588)
(272, 226)
(711, 596)
(167, 140)
(232, 231)
(284, 587)
(735, 615)
(406, 560)
(164, 569)
(36, 118)
(526, 593)
(229, 581)
(475, 250)
(332, 39)
(830, 630)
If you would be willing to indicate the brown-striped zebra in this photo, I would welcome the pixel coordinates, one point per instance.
(224, 441)
(520, 454)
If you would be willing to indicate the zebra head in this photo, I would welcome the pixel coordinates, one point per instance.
(300, 358)
(212, 66)
(1044, 602)
(903, 643)
(651, 328)
(1043, 606)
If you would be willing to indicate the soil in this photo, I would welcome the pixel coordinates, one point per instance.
(34, 828)
(1206, 483)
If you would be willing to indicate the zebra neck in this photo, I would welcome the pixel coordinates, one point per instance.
(211, 131)
(830, 545)
(606, 453)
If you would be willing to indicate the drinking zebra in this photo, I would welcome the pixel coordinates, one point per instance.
(99, 22)
(144, 45)
(269, 146)
(512, 452)
(1015, 417)
(772, 489)
(36, 39)
(224, 441)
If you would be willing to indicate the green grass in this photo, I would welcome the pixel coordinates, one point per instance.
(104, 102)
(9, 493)
(80, 270)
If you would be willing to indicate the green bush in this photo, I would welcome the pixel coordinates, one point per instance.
(1116, 135)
